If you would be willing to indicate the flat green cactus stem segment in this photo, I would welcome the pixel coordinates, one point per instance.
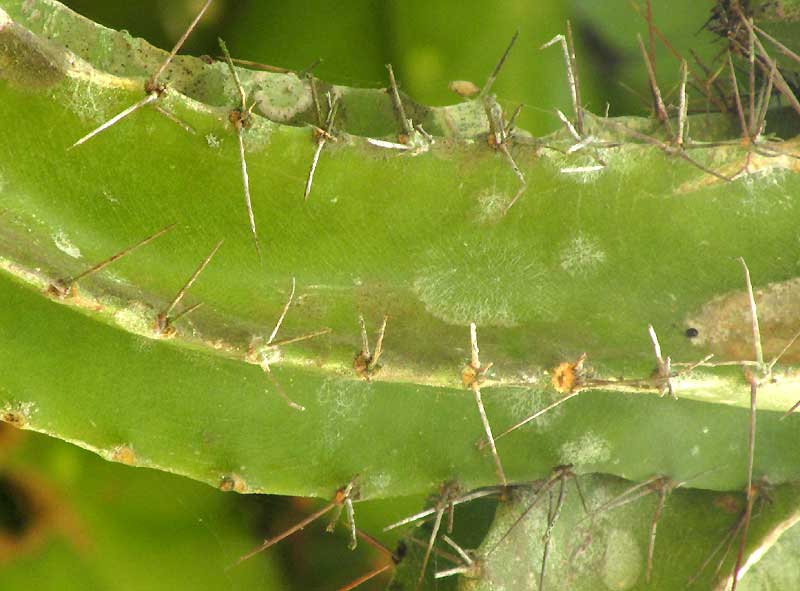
(151, 404)
(105, 526)
(609, 551)
(583, 262)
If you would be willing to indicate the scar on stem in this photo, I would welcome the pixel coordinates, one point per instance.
(165, 323)
(472, 376)
(343, 496)
(241, 119)
(154, 89)
(63, 288)
(262, 352)
(323, 132)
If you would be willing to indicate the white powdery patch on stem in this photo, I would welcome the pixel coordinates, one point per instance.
(65, 245)
(589, 449)
(581, 256)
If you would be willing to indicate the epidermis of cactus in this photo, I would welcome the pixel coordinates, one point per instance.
(582, 263)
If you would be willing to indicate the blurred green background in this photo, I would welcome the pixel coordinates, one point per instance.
(70, 520)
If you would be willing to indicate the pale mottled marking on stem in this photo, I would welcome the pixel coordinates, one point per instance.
(164, 323)
(153, 87)
(342, 495)
(471, 376)
(64, 287)
(241, 119)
